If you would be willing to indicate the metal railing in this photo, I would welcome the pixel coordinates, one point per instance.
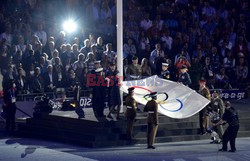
(52, 95)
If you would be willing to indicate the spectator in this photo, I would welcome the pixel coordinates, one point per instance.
(49, 78)
(145, 68)
(60, 77)
(21, 82)
(208, 10)
(29, 60)
(108, 29)
(21, 46)
(79, 66)
(18, 59)
(37, 84)
(67, 55)
(105, 11)
(110, 53)
(167, 39)
(241, 73)
(7, 35)
(77, 42)
(75, 53)
(86, 48)
(41, 34)
(129, 50)
(51, 49)
(92, 39)
(134, 70)
(92, 12)
(222, 80)
(195, 72)
(199, 53)
(184, 53)
(215, 58)
(213, 32)
(146, 23)
(155, 53)
(99, 49)
(159, 22)
(241, 46)
(72, 80)
(42, 65)
(90, 62)
(105, 62)
(67, 65)
(55, 55)
(208, 73)
(61, 40)
(180, 62)
(229, 64)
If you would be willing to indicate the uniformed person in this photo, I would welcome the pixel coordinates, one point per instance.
(114, 92)
(130, 112)
(217, 105)
(184, 77)
(10, 96)
(231, 117)
(165, 74)
(134, 70)
(203, 114)
(97, 65)
(152, 109)
(99, 93)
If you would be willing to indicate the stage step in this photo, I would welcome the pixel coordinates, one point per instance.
(92, 132)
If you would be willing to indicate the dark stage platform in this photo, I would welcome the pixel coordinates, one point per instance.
(64, 126)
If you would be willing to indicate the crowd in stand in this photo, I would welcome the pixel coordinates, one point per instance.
(209, 38)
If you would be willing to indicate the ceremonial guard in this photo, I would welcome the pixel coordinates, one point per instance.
(130, 112)
(184, 77)
(99, 93)
(134, 70)
(203, 114)
(114, 91)
(231, 117)
(10, 96)
(165, 74)
(217, 106)
(152, 109)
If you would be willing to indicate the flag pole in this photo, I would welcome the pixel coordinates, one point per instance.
(119, 26)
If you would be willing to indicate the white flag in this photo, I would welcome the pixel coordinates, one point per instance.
(174, 99)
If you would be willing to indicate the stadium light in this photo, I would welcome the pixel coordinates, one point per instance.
(69, 26)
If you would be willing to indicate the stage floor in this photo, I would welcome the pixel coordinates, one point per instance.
(89, 114)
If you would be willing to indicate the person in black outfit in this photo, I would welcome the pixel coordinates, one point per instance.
(114, 91)
(10, 95)
(231, 117)
(99, 93)
(49, 79)
(184, 76)
(21, 81)
(37, 83)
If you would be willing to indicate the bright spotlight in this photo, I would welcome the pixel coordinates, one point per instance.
(69, 26)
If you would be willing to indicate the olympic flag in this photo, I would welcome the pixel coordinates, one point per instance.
(174, 99)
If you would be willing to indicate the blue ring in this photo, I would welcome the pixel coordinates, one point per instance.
(174, 110)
